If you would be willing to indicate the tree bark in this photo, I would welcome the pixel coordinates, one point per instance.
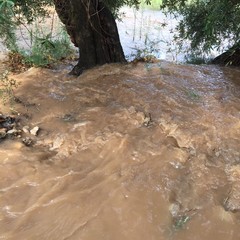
(230, 57)
(92, 28)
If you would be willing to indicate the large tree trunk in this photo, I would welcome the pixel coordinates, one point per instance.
(230, 57)
(93, 30)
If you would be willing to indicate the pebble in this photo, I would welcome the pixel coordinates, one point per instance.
(27, 141)
(26, 129)
(34, 131)
(174, 209)
(12, 131)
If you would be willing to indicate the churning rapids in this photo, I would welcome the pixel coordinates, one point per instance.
(138, 151)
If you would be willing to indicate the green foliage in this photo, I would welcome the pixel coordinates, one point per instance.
(153, 5)
(196, 59)
(16, 12)
(45, 47)
(204, 23)
(192, 95)
(207, 23)
(7, 24)
(47, 50)
(29, 10)
(180, 222)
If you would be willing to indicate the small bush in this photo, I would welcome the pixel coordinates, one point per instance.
(45, 50)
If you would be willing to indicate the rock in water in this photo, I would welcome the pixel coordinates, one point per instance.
(25, 129)
(34, 131)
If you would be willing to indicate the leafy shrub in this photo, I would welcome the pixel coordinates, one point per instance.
(46, 50)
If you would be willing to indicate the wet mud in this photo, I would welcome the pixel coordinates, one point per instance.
(143, 151)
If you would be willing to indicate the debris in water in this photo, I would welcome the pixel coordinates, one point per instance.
(27, 141)
(8, 127)
(68, 118)
(7, 122)
(147, 122)
(57, 143)
(181, 221)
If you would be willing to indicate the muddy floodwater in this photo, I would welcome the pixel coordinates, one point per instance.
(135, 152)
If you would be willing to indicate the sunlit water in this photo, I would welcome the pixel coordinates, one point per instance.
(147, 32)
(145, 151)
(152, 32)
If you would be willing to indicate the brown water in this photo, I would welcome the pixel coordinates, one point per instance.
(125, 152)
